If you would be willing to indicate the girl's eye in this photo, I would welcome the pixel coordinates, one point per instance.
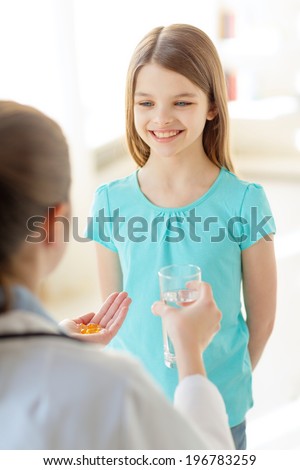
(182, 103)
(146, 103)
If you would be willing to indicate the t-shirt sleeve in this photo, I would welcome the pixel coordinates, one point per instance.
(257, 220)
(100, 221)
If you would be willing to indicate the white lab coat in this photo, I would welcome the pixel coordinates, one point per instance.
(59, 393)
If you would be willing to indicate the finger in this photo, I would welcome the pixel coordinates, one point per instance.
(122, 311)
(96, 318)
(160, 308)
(205, 290)
(84, 318)
(113, 309)
(194, 285)
(117, 322)
(206, 294)
(205, 287)
(104, 336)
(106, 306)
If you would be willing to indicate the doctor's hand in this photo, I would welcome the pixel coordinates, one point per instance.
(191, 328)
(110, 318)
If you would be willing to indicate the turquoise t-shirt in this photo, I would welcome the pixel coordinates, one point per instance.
(211, 232)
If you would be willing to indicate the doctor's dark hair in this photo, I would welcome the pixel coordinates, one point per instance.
(34, 175)
(188, 51)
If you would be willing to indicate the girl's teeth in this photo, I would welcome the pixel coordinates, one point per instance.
(163, 135)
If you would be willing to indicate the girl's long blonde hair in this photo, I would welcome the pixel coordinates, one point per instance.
(187, 50)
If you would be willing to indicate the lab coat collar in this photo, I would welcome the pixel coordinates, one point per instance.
(26, 314)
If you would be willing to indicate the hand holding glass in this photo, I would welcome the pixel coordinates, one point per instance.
(175, 291)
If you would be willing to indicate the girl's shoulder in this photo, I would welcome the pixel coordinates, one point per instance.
(243, 196)
(237, 188)
(118, 185)
(121, 193)
(237, 182)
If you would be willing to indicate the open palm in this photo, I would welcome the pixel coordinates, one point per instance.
(110, 317)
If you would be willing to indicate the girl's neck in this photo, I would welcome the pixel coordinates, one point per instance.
(179, 167)
(174, 183)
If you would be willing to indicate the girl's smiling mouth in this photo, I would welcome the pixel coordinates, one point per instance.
(165, 134)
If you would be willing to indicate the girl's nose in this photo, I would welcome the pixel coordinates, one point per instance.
(162, 118)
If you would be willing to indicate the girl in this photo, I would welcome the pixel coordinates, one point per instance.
(184, 204)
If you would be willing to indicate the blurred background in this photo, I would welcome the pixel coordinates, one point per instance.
(69, 58)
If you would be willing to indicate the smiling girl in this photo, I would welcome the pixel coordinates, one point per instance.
(198, 211)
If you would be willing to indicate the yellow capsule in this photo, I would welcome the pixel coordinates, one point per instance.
(89, 329)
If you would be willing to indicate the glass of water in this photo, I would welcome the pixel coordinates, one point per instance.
(175, 291)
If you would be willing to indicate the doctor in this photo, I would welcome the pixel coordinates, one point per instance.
(58, 392)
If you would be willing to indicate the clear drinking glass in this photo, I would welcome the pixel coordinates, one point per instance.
(174, 290)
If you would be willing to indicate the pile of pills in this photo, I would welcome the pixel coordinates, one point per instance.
(90, 328)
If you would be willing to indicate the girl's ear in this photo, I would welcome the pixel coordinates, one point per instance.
(212, 112)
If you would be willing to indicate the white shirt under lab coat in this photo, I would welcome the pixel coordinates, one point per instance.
(59, 393)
